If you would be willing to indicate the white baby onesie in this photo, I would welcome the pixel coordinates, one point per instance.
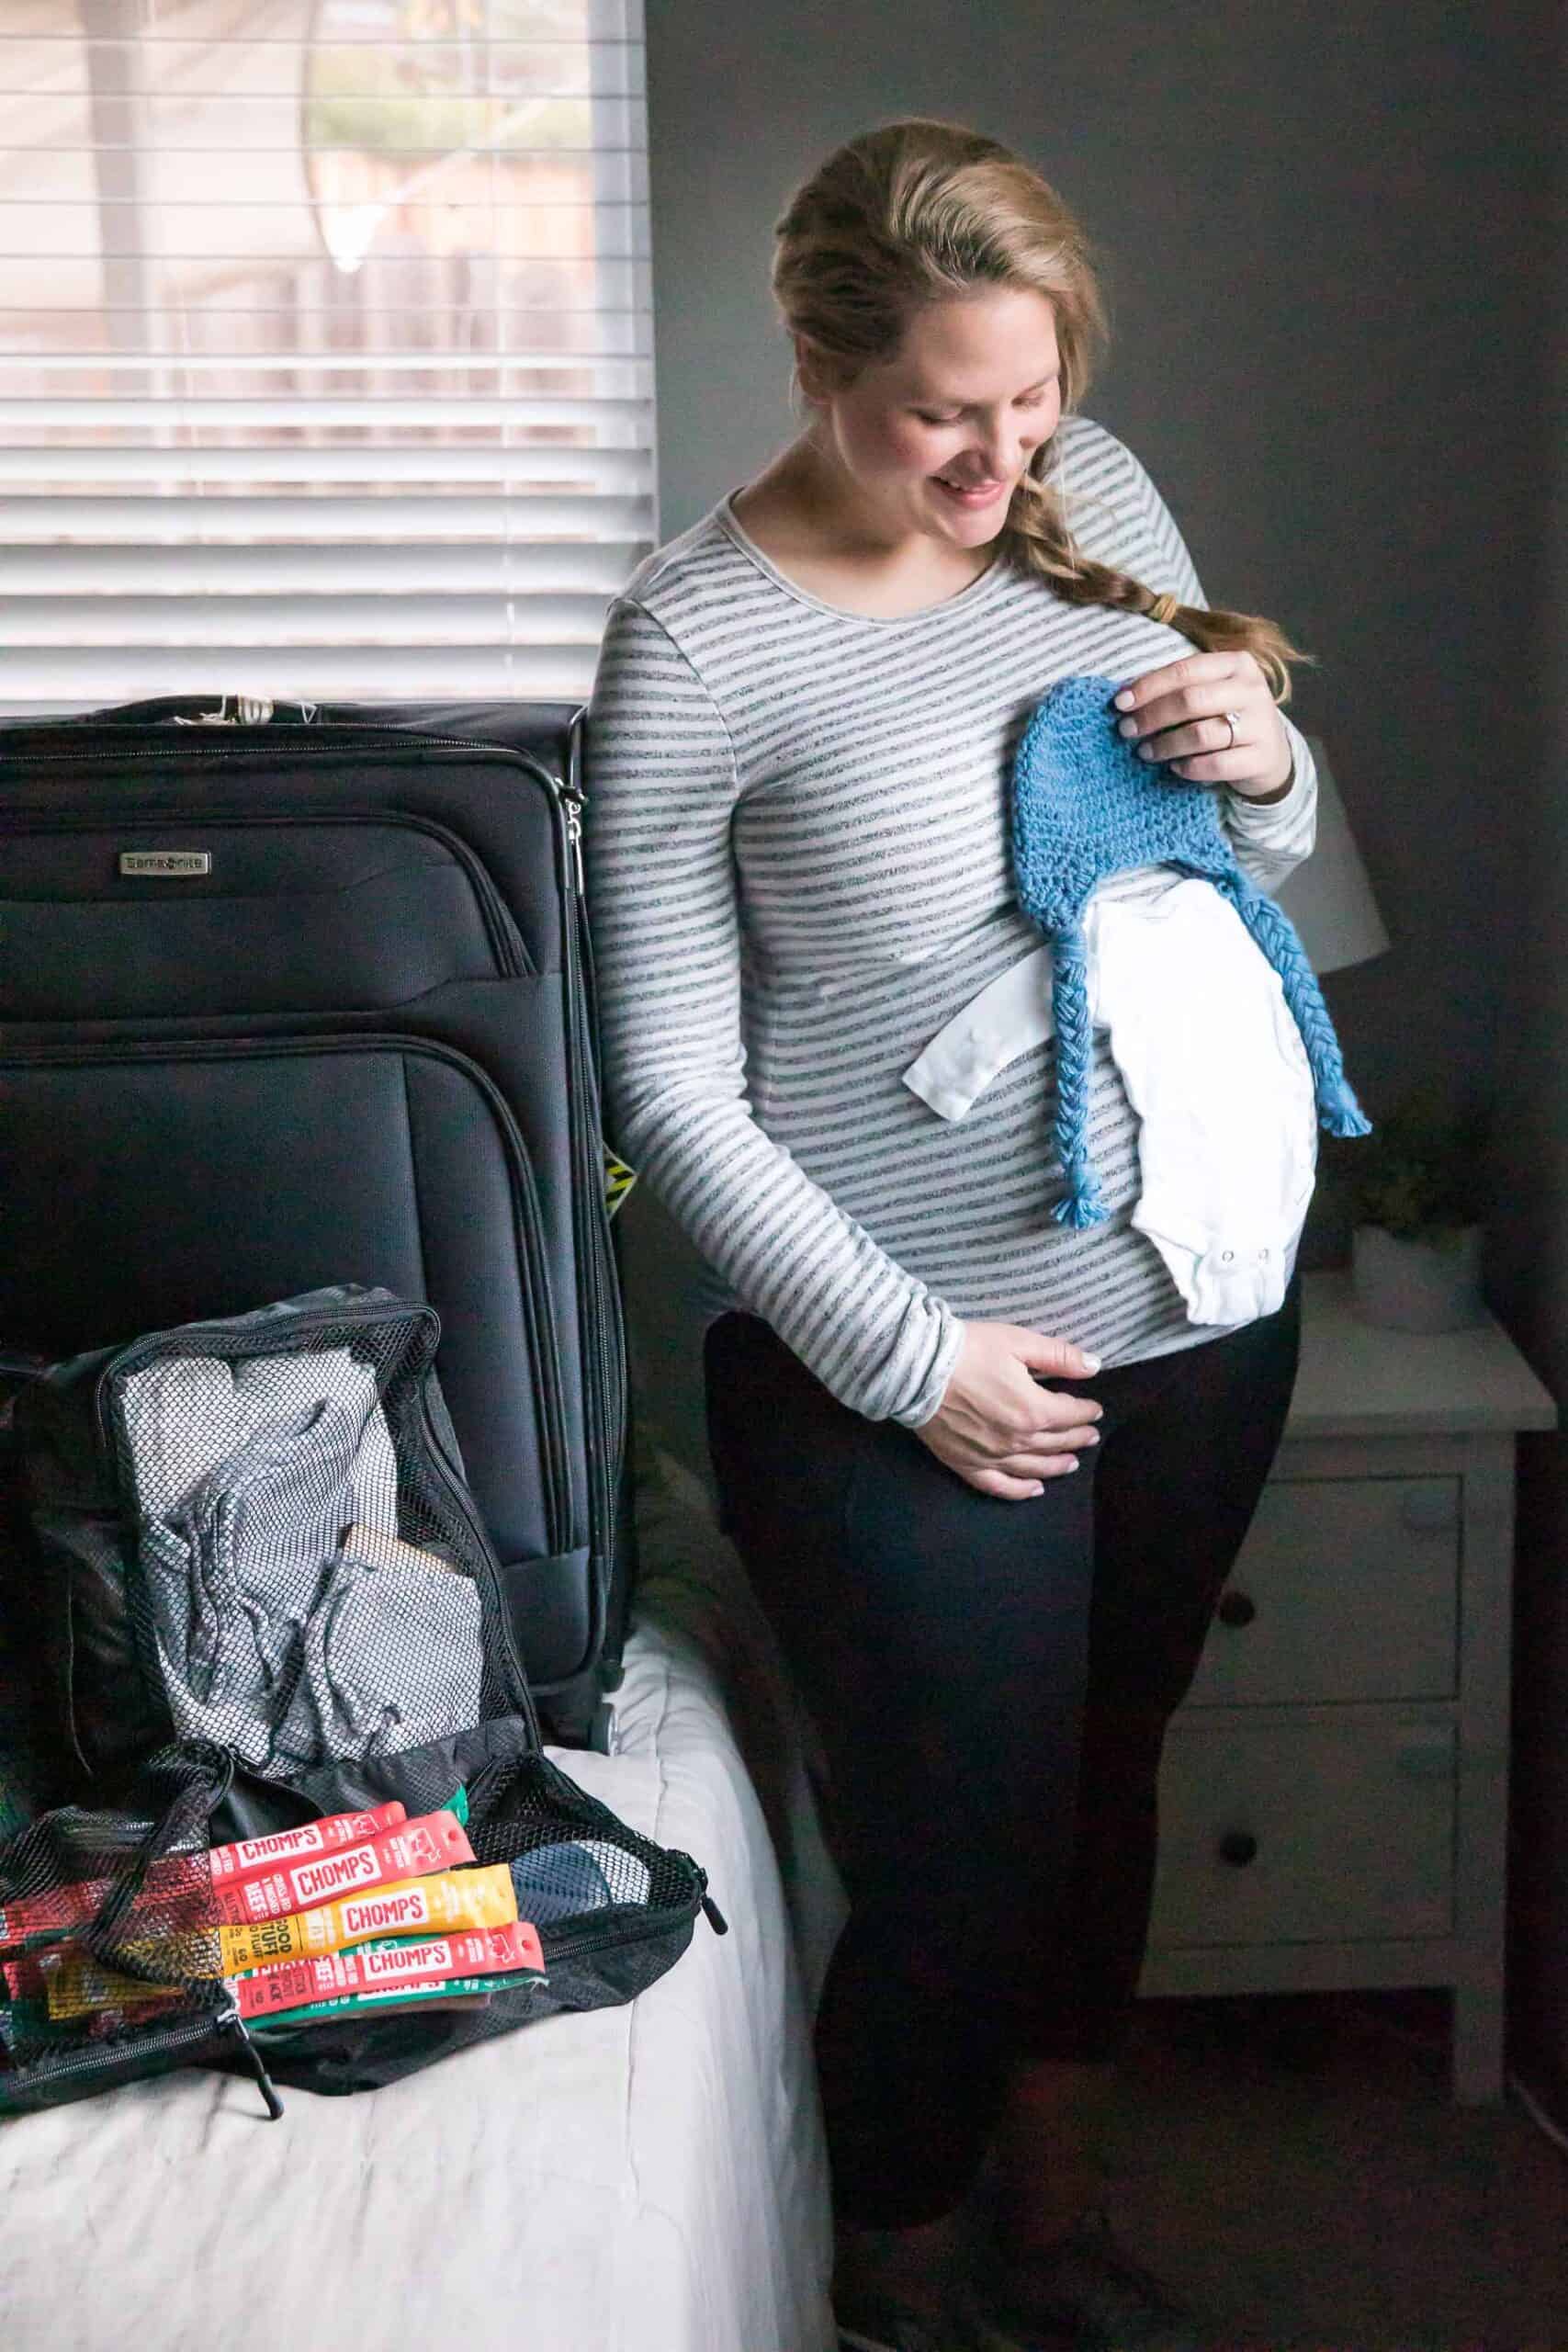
(1213, 1064)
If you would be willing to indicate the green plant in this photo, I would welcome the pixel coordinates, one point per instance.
(1420, 1174)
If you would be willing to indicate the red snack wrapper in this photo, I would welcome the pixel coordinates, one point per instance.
(253, 1857)
(375, 1968)
(179, 1885)
(415, 1848)
(24, 1979)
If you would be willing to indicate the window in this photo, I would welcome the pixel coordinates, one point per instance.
(325, 347)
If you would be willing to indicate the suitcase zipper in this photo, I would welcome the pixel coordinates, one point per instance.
(538, 1307)
(605, 1362)
(166, 2041)
(622, 1931)
(607, 1368)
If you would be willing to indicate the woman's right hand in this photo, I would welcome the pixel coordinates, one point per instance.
(997, 1427)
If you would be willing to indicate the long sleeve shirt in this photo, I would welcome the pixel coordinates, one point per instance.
(797, 856)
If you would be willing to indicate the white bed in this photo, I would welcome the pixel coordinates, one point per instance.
(649, 2178)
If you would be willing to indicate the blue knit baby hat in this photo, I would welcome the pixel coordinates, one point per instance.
(1085, 806)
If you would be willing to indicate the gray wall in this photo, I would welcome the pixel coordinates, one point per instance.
(1326, 241)
(1530, 1239)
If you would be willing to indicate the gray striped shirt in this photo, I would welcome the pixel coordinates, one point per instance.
(797, 852)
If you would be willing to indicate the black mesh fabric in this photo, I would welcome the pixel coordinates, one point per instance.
(524, 1805)
(108, 1948)
(110, 1952)
(520, 1806)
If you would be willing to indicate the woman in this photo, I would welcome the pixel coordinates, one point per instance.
(799, 753)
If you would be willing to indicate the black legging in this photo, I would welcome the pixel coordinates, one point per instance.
(992, 1681)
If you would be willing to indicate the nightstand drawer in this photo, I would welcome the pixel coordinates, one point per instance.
(1345, 1589)
(1305, 1833)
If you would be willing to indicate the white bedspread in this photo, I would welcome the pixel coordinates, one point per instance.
(649, 2178)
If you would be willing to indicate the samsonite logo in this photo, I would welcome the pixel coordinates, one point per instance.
(315, 1880)
(406, 1960)
(388, 1914)
(173, 863)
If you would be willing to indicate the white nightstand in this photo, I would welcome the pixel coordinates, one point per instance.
(1334, 1797)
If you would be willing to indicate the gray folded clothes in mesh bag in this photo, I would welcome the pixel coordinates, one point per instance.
(273, 1635)
(350, 1700)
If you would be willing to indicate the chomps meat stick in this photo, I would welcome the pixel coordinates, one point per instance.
(299, 1983)
(425, 1906)
(180, 1883)
(414, 1849)
(435, 1905)
(253, 1856)
(79, 1985)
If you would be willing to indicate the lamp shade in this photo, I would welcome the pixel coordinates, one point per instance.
(1328, 897)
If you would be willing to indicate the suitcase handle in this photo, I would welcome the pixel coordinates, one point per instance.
(250, 711)
(181, 710)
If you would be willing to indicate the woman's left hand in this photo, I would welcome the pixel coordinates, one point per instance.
(1176, 715)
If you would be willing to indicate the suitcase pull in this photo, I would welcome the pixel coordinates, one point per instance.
(571, 800)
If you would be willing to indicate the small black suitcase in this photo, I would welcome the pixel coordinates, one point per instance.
(302, 996)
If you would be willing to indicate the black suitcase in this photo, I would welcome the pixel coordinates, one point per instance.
(302, 996)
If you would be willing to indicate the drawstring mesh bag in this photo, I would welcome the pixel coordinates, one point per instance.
(251, 1555)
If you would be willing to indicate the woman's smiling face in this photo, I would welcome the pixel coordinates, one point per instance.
(973, 392)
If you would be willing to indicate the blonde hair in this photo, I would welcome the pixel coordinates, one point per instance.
(920, 211)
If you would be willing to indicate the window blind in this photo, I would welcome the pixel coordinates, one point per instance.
(325, 345)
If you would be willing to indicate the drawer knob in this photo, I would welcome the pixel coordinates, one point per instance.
(1238, 1847)
(1237, 1608)
(1427, 1509)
